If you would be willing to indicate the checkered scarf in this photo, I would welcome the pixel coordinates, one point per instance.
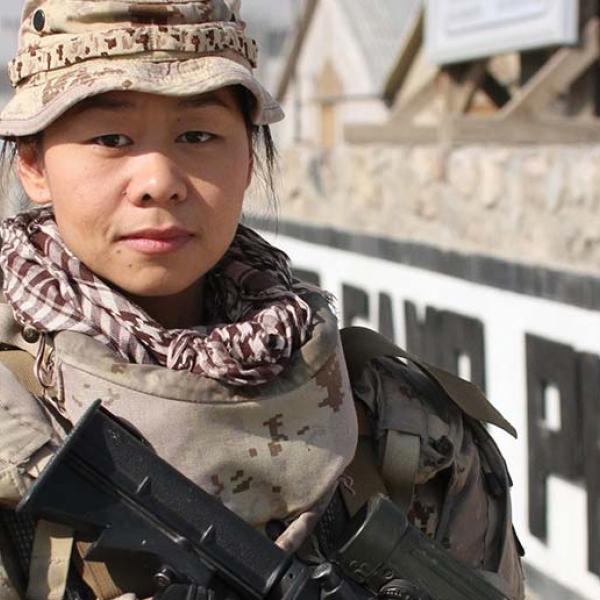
(251, 292)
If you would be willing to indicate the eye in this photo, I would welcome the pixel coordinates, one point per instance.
(113, 140)
(195, 137)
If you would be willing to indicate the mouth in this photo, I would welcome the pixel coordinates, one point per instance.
(157, 241)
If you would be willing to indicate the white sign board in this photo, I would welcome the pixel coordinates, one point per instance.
(458, 30)
(519, 337)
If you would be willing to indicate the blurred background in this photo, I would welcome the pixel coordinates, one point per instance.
(440, 173)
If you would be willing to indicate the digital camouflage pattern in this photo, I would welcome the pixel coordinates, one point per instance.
(24, 431)
(461, 495)
(276, 451)
(72, 49)
(272, 452)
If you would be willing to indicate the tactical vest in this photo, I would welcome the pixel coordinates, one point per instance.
(401, 452)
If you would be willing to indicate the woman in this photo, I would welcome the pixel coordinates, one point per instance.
(135, 126)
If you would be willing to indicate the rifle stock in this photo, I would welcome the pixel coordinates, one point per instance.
(105, 482)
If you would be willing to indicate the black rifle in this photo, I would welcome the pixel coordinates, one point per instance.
(108, 485)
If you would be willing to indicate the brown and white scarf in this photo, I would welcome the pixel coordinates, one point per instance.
(251, 296)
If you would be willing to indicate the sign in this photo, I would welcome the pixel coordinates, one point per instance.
(458, 30)
(538, 359)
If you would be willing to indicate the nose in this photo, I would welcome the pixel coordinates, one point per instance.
(155, 178)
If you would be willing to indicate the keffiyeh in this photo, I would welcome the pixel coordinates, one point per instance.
(260, 316)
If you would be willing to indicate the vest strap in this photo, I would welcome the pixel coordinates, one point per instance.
(20, 364)
(400, 464)
(50, 561)
(364, 472)
(11, 330)
(52, 543)
(362, 345)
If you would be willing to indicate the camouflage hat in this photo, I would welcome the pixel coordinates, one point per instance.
(72, 49)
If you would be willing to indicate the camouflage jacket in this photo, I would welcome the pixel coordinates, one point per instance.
(461, 487)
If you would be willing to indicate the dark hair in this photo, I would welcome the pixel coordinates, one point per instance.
(264, 152)
(13, 198)
(10, 145)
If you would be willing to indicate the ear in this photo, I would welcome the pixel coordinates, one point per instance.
(31, 173)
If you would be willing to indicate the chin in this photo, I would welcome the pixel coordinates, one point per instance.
(152, 288)
(157, 291)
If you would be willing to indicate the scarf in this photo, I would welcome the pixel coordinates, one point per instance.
(251, 295)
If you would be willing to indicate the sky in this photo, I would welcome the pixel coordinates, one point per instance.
(275, 12)
(10, 13)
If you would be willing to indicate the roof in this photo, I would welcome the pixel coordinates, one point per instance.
(295, 46)
(378, 25)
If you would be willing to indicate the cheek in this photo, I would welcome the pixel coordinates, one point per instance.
(222, 195)
(83, 216)
(223, 183)
(80, 191)
(80, 206)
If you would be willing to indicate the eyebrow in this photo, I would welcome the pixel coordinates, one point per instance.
(207, 99)
(103, 102)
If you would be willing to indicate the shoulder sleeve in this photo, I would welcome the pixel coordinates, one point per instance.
(461, 487)
(25, 438)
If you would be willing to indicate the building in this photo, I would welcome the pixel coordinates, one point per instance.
(337, 63)
(269, 22)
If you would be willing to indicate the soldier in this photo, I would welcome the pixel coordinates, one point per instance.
(136, 129)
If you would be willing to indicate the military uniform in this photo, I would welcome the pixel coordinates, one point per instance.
(446, 471)
(267, 454)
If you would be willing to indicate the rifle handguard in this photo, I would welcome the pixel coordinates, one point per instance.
(382, 545)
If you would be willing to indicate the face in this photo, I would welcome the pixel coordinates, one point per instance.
(147, 190)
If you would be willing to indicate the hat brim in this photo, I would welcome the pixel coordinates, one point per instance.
(44, 98)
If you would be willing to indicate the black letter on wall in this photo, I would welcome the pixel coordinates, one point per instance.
(386, 317)
(589, 365)
(356, 304)
(443, 337)
(551, 452)
(308, 276)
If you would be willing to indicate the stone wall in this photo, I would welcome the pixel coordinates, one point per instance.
(535, 204)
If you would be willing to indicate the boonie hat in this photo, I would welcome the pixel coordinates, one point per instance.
(73, 49)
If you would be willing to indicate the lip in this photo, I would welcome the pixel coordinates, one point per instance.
(157, 241)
